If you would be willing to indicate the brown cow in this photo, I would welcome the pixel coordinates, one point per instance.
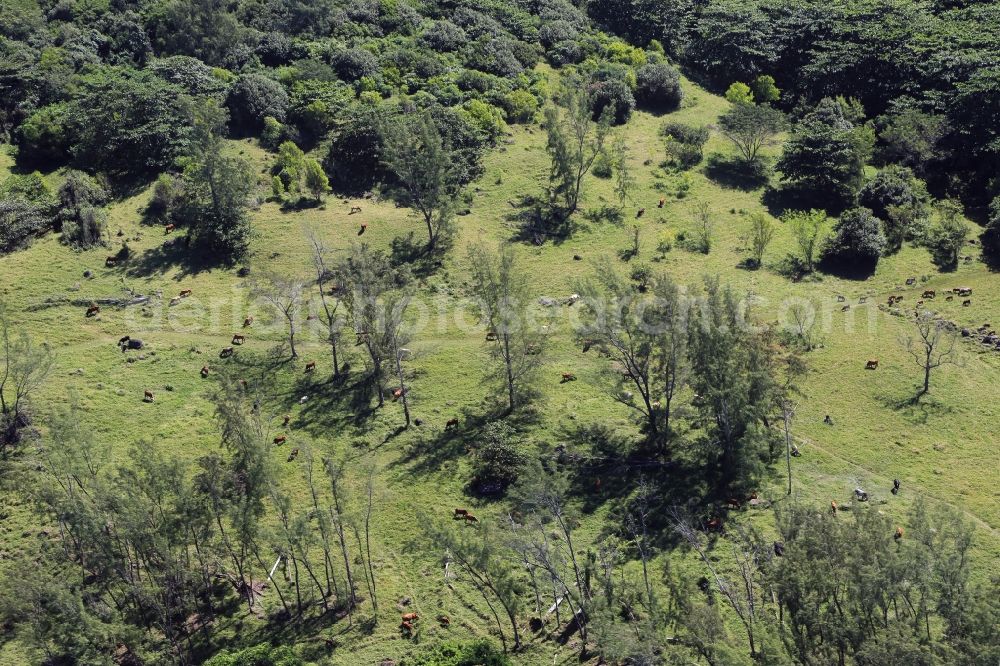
(949, 298)
(459, 513)
(929, 293)
(833, 507)
(311, 366)
(93, 310)
(248, 322)
(733, 503)
(111, 262)
(899, 534)
(872, 364)
(469, 518)
(185, 293)
(293, 455)
(640, 213)
(239, 339)
(285, 421)
(568, 377)
(410, 617)
(444, 620)
(355, 209)
(204, 371)
(663, 202)
(147, 396)
(451, 423)
(280, 439)
(397, 394)
(363, 229)
(167, 229)
(406, 626)
(226, 352)
(714, 524)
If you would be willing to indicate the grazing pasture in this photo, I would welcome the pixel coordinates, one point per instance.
(855, 427)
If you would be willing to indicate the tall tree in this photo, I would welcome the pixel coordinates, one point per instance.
(751, 127)
(826, 154)
(329, 297)
(217, 189)
(810, 229)
(377, 296)
(482, 556)
(734, 372)
(931, 344)
(575, 142)
(624, 180)
(501, 291)
(761, 234)
(23, 369)
(425, 166)
(283, 293)
(646, 337)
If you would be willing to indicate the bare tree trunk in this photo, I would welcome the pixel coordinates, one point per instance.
(402, 388)
(510, 372)
(787, 415)
(368, 539)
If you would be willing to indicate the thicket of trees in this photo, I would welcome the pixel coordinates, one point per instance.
(935, 104)
(152, 543)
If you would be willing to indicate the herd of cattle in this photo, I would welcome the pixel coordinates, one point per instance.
(128, 343)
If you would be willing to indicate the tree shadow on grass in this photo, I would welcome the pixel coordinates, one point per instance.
(918, 408)
(858, 271)
(436, 444)
(735, 174)
(301, 204)
(332, 403)
(536, 221)
(282, 630)
(409, 251)
(610, 465)
(172, 254)
(605, 214)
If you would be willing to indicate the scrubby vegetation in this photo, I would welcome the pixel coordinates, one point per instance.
(466, 333)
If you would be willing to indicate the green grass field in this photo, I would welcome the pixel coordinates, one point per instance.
(944, 447)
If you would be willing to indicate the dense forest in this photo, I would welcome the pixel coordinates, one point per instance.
(865, 130)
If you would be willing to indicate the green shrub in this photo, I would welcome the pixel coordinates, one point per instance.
(857, 240)
(259, 655)
(498, 459)
(613, 94)
(455, 653)
(685, 144)
(658, 86)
